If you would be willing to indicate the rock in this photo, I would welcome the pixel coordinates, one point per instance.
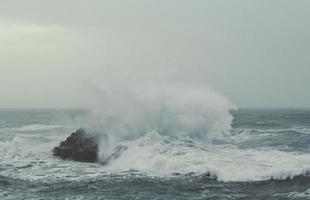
(79, 146)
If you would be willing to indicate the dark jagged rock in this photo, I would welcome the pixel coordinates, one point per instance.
(79, 146)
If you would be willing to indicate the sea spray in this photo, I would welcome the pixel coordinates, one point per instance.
(178, 111)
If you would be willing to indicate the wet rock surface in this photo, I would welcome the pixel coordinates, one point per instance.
(79, 146)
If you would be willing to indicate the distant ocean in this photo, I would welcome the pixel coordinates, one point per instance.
(264, 155)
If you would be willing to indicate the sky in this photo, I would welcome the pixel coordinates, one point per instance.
(55, 53)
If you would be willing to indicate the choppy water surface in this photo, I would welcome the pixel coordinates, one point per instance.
(265, 155)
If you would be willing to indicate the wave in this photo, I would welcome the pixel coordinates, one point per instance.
(162, 156)
(171, 130)
(32, 127)
(292, 195)
(128, 114)
(159, 155)
(245, 134)
(161, 133)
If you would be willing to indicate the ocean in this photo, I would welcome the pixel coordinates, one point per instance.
(264, 154)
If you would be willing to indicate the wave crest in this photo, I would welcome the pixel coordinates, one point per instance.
(159, 155)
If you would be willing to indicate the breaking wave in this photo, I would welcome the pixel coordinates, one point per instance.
(159, 155)
(169, 131)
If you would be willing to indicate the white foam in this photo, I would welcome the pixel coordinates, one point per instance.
(302, 195)
(159, 155)
(169, 129)
(305, 194)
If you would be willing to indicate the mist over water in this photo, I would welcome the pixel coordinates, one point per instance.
(173, 110)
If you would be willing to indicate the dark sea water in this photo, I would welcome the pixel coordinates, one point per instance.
(265, 155)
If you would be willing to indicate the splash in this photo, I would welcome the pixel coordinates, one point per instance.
(177, 111)
(126, 114)
(158, 155)
(166, 130)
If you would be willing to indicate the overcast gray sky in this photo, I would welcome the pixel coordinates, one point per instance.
(255, 52)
